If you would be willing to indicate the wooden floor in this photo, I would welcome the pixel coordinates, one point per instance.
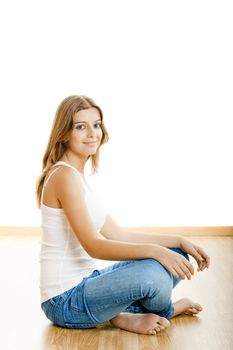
(24, 326)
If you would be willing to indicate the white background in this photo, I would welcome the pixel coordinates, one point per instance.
(162, 73)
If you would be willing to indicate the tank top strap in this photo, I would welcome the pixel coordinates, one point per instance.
(58, 165)
(45, 183)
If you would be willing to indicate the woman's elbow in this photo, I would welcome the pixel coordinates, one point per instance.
(95, 250)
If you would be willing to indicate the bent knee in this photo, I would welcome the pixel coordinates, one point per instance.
(153, 269)
(155, 276)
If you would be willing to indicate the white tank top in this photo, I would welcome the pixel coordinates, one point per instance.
(63, 261)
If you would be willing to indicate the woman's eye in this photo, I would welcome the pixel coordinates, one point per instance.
(80, 127)
(97, 125)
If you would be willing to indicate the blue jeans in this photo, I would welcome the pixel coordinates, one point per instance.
(136, 286)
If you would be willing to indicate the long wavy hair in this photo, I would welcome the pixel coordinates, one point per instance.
(61, 132)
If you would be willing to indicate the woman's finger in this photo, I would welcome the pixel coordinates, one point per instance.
(183, 271)
(203, 255)
(179, 271)
(189, 266)
(196, 256)
(173, 272)
(186, 271)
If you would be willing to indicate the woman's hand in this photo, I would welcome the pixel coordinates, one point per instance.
(175, 263)
(202, 259)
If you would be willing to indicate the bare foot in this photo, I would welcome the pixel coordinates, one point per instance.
(187, 307)
(140, 323)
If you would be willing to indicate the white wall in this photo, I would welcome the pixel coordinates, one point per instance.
(162, 72)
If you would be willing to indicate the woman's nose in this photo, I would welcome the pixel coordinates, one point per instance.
(91, 131)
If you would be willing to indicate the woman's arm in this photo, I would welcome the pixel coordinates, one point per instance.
(111, 230)
(70, 194)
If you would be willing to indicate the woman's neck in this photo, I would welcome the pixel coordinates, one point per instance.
(79, 164)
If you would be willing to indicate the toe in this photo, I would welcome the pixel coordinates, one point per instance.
(162, 327)
(197, 307)
(193, 310)
(164, 322)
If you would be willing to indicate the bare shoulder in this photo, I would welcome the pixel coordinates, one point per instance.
(67, 175)
(63, 182)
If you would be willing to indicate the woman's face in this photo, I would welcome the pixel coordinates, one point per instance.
(87, 133)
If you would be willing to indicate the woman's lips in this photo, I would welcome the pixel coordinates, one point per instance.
(92, 143)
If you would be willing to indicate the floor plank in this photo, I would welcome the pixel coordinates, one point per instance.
(24, 326)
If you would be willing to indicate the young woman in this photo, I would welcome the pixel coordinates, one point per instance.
(133, 294)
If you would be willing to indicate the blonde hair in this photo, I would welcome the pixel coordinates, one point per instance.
(60, 134)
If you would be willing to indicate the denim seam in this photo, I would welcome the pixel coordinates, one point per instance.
(87, 309)
(93, 318)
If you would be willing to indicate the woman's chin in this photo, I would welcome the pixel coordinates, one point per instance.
(92, 153)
